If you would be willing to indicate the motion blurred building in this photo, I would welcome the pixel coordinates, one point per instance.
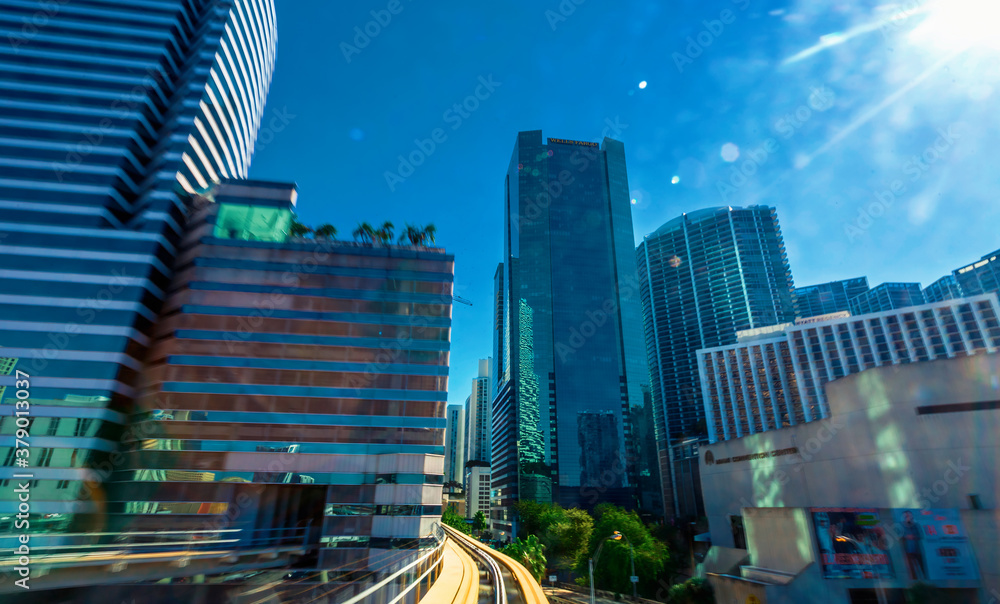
(981, 277)
(895, 486)
(478, 430)
(113, 113)
(295, 392)
(454, 445)
(887, 296)
(827, 298)
(569, 351)
(774, 376)
(704, 276)
(945, 288)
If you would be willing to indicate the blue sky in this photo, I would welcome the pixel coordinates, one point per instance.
(871, 127)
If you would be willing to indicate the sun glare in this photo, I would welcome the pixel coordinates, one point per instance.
(959, 24)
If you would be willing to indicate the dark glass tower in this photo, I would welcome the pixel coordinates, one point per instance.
(569, 415)
(705, 275)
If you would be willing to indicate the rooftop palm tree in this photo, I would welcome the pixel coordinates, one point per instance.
(297, 229)
(384, 233)
(411, 234)
(365, 233)
(325, 231)
(428, 233)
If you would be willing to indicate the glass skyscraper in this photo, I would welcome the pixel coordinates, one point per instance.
(112, 113)
(571, 364)
(827, 298)
(705, 275)
(887, 296)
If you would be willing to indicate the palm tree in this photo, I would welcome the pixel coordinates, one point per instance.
(384, 234)
(297, 229)
(428, 233)
(365, 233)
(411, 234)
(325, 231)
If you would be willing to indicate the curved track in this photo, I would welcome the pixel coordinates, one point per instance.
(508, 581)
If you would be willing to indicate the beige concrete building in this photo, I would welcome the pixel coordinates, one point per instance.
(898, 483)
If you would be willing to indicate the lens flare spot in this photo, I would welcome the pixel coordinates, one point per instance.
(730, 152)
(674, 262)
(642, 84)
(675, 180)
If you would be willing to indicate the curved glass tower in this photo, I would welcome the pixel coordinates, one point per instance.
(111, 111)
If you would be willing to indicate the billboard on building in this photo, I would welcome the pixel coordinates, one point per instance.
(935, 545)
(851, 543)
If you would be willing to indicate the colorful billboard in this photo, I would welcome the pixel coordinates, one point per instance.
(852, 543)
(935, 546)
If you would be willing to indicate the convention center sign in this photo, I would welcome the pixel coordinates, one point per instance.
(852, 543)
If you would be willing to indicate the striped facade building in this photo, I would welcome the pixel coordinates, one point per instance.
(112, 112)
(774, 376)
(295, 391)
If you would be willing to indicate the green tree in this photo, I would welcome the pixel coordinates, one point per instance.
(325, 231)
(384, 233)
(411, 235)
(365, 233)
(564, 533)
(652, 558)
(297, 229)
(530, 553)
(428, 233)
(692, 591)
(454, 520)
(479, 523)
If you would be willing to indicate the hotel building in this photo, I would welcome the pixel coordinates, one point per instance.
(774, 376)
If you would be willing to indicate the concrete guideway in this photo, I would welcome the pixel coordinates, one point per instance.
(459, 579)
(516, 585)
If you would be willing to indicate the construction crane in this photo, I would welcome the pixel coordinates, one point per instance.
(461, 300)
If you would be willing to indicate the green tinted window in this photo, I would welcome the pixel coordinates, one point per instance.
(253, 223)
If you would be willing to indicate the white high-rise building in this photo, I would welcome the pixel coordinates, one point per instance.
(477, 415)
(454, 445)
(774, 376)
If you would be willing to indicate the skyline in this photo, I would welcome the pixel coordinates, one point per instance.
(581, 80)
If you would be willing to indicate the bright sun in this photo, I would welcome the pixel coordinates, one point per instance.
(956, 24)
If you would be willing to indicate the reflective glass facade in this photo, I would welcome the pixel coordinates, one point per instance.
(827, 298)
(570, 351)
(887, 296)
(112, 110)
(705, 275)
(945, 288)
